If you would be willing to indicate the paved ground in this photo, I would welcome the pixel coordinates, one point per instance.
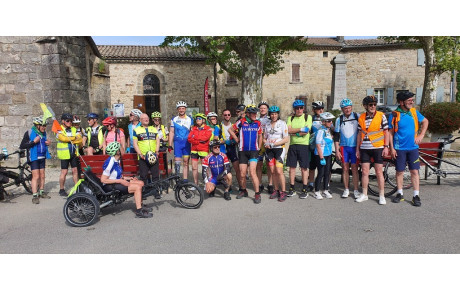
(297, 226)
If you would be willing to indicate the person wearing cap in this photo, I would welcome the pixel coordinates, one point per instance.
(93, 136)
(264, 119)
(178, 135)
(134, 122)
(67, 150)
(230, 144)
(373, 144)
(404, 125)
(345, 133)
(323, 155)
(318, 108)
(36, 144)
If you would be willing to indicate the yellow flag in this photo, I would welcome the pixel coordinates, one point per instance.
(47, 112)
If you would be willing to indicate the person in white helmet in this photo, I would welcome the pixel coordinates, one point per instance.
(134, 119)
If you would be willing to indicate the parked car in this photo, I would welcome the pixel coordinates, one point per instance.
(387, 109)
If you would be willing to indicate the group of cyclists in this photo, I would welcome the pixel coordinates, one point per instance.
(258, 135)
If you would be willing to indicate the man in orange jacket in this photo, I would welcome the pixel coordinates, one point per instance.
(373, 144)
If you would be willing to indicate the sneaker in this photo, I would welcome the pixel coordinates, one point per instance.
(212, 194)
(230, 191)
(157, 195)
(283, 196)
(62, 192)
(318, 195)
(345, 194)
(382, 200)
(45, 196)
(36, 200)
(142, 213)
(303, 194)
(327, 194)
(257, 198)
(146, 208)
(416, 201)
(270, 189)
(227, 196)
(356, 194)
(274, 195)
(291, 192)
(362, 198)
(310, 188)
(243, 193)
(261, 188)
(398, 198)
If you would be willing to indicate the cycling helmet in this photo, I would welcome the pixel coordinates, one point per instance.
(39, 121)
(369, 99)
(200, 115)
(113, 148)
(212, 114)
(92, 115)
(181, 104)
(298, 103)
(76, 119)
(109, 120)
(66, 116)
(317, 104)
(214, 142)
(251, 109)
(262, 103)
(326, 116)
(156, 114)
(151, 158)
(274, 109)
(241, 107)
(345, 102)
(403, 96)
(136, 112)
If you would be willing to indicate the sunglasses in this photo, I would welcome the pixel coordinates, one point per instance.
(199, 118)
(227, 115)
(328, 121)
(69, 120)
(372, 104)
(297, 108)
(215, 147)
(156, 119)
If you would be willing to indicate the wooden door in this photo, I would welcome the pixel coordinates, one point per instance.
(139, 103)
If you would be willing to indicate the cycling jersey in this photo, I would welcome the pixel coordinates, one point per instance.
(404, 138)
(303, 120)
(324, 139)
(248, 133)
(348, 129)
(181, 127)
(218, 166)
(112, 168)
(276, 132)
(131, 128)
(264, 120)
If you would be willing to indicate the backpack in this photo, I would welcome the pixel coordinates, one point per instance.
(341, 122)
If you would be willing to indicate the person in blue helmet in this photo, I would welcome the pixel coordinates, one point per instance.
(318, 108)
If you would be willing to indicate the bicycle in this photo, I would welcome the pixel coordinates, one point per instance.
(24, 177)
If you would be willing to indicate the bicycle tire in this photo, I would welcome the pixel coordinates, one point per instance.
(81, 209)
(189, 195)
(390, 174)
(373, 187)
(26, 177)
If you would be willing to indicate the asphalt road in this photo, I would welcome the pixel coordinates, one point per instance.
(296, 226)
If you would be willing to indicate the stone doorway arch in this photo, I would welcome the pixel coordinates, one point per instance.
(151, 92)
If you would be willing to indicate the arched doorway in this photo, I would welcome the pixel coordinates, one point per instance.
(151, 92)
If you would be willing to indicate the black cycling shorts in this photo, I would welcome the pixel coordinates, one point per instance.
(298, 153)
(248, 156)
(73, 161)
(109, 187)
(37, 164)
(371, 155)
(232, 153)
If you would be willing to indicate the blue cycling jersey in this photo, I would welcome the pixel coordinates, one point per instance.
(249, 132)
(181, 127)
(217, 165)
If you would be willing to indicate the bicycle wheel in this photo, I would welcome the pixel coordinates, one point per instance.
(26, 177)
(189, 195)
(81, 209)
(373, 187)
(390, 176)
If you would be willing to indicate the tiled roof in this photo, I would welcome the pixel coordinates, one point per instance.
(369, 43)
(146, 53)
(324, 41)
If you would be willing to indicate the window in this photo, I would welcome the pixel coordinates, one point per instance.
(231, 104)
(325, 54)
(151, 86)
(379, 94)
(295, 73)
(231, 80)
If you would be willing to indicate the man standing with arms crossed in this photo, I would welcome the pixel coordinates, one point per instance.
(373, 143)
(178, 135)
(404, 141)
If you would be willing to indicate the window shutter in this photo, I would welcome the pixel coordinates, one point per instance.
(440, 94)
(418, 95)
(295, 73)
(390, 96)
(420, 57)
(370, 91)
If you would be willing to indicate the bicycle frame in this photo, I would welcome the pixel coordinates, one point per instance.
(438, 171)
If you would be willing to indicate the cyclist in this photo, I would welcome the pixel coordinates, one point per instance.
(323, 155)
(230, 145)
(404, 140)
(264, 119)
(147, 144)
(373, 143)
(178, 135)
(318, 108)
(113, 133)
(199, 138)
(112, 179)
(275, 138)
(93, 136)
(219, 168)
(76, 123)
(249, 139)
(68, 141)
(36, 144)
(217, 130)
(346, 130)
(163, 131)
(134, 122)
(299, 126)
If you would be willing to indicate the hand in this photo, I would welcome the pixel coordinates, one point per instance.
(209, 187)
(124, 183)
(142, 157)
(394, 154)
(48, 142)
(385, 152)
(304, 129)
(37, 139)
(419, 139)
(322, 162)
(338, 156)
(267, 146)
(357, 153)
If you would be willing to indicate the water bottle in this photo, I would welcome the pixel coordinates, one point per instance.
(5, 152)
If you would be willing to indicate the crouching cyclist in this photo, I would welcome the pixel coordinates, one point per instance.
(112, 179)
(220, 170)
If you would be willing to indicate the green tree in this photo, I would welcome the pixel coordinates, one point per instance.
(249, 58)
(441, 55)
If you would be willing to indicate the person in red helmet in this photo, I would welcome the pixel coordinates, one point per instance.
(113, 134)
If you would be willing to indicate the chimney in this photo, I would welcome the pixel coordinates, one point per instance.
(340, 39)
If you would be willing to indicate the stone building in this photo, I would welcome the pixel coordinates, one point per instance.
(62, 72)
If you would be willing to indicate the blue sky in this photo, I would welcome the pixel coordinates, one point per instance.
(154, 40)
